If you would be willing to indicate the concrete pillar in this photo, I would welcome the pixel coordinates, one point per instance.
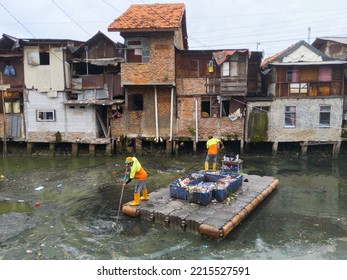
(242, 147)
(108, 150)
(92, 150)
(336, 149)
(74, 149)
(168, 147)
(176, 146)
(52, 149)
(30, 147)
(274, 148)
(138, 146)
(304, 149)
(119, 146)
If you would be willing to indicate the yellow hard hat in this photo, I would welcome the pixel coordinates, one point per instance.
(128, 160)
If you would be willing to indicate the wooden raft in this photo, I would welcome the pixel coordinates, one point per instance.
(215, 220)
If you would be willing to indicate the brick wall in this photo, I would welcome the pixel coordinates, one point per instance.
(187, 90)
(49, 136)
(142, 123)
(160, 69)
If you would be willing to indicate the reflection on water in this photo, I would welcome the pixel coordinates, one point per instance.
(78, 199)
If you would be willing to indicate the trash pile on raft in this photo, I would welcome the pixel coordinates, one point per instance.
(202, 187)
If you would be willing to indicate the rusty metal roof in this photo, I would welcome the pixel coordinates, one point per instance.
(153, 17)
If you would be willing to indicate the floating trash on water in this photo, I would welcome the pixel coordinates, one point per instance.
(2, 176)
(117, 227)
(59, 187)
(29, 251)
(37, 204)
(39, 188)
(20, 200)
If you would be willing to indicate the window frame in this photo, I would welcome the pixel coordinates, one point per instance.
(324, 114)
(325, 74)
(289, 116)
(293, 75)
(45, 115)
(138, 50)
(298, 88)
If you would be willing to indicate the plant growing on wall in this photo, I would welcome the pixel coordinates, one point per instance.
(191, 130)
(231, 136)
(58, 137)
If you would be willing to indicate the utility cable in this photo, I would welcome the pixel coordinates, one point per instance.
(75, 22)
(17, 20)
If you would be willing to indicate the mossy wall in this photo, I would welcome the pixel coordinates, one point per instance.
(258, 126)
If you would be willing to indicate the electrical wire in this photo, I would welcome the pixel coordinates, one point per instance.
(21, 24)
(71, 18)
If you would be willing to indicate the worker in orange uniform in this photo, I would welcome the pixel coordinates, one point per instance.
(137, 172)
(212, 151)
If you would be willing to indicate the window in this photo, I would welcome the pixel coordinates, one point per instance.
(233, 68)
(210, 107)
(290, 116)
(194, 68)
(38, 58)
(324, 116)
(44, 58)
(325, 74)
(225, 69)
(293, 75)
(135, 102)
(45, 115)
(12, 103)
(299, 88)
(138, 50)
(225, 108)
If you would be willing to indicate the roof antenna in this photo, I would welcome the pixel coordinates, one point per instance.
(309, 34)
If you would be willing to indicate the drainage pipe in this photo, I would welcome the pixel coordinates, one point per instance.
(196, 121)
(171, 112)
(156, 114)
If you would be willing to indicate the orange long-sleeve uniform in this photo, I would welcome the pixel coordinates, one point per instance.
(137, 171)
(212, 146)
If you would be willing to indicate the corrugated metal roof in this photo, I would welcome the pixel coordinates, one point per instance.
(341, 40)
(150, 17)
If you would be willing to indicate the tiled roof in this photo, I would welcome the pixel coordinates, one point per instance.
(149, 17)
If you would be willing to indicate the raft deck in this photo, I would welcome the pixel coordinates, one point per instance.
(216, 220)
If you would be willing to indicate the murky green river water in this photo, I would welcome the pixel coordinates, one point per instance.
(78, 198)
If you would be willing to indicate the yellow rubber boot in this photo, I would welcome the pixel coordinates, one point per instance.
(144, 195)
(206, 165)
(214, 165)
(136, 200)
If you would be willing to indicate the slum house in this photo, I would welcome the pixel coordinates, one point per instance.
(336, 47)
(306, 89)
(11, 85)
(211, 91)
(151, 34)
(53, 109)
(46, 76)
(95, 94)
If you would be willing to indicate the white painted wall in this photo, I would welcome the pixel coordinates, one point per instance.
(307, 120)
(72, 123)
(45, 77)
(302, 54)
(79, 119)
